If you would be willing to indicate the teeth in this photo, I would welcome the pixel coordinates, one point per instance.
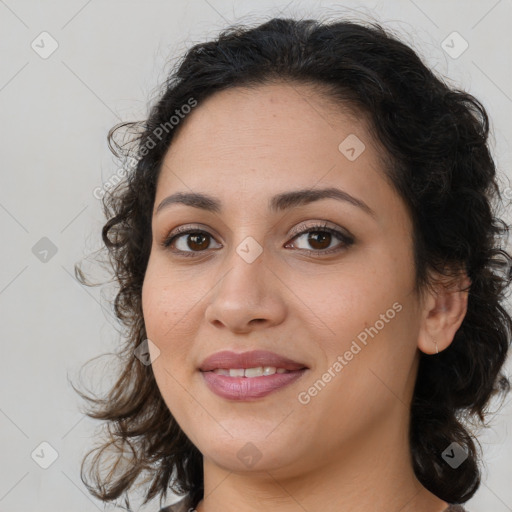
(250, 372)
(221, 371)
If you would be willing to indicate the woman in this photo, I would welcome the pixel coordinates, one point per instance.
(311, 278)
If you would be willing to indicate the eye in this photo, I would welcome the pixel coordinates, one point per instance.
(187, 241)
(320, 238)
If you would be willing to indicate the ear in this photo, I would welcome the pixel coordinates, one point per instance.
(443, 310)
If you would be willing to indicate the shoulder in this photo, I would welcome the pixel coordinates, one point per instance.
(179, 506)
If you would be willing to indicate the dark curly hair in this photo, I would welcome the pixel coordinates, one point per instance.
(435, 139)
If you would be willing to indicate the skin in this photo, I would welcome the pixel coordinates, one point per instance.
(346, 449)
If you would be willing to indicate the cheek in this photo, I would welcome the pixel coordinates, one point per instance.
(371, 321)
(162, 309)
(348, 301)
(165, 298)
(171, 304)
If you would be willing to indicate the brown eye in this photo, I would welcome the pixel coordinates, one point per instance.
(188, 241)
(197, 241)
(321, 240)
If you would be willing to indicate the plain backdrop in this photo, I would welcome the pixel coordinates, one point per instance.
(69, 71)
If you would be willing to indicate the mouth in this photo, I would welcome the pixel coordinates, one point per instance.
(238, 388)
(250, 375)
(255, 363)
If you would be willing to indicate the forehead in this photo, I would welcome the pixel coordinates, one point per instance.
(267, 120)
(273, 122)
(245, 143)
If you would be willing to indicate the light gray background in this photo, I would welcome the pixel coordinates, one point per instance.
(56, 112)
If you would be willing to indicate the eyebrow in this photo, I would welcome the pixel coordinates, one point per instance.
(278, 203)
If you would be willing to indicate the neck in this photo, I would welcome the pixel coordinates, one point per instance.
(371, 472)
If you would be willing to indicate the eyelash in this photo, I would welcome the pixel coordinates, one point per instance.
(345, 240)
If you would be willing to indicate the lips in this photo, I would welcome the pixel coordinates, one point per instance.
(255, 358)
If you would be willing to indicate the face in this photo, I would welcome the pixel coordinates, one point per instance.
(323, 279)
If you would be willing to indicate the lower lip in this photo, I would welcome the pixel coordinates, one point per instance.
(249, 388)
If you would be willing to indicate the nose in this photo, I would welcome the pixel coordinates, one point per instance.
(248, 296)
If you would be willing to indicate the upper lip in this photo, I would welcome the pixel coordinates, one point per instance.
(252, 359)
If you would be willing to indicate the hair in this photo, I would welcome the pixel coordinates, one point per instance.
(435, 139)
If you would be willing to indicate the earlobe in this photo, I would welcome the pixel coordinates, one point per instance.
(442, 315)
